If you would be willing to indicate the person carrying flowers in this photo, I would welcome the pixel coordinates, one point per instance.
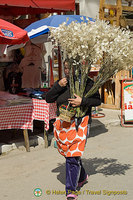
(85, 44)
(71, 134)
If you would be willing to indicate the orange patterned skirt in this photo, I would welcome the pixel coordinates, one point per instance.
(70, 142)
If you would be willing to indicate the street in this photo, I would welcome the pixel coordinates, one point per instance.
(107, 160)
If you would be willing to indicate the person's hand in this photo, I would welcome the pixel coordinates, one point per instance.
(63, 82)
(75, 102)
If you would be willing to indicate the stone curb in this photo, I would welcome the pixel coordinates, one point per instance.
(34, 141)
(109, 123)
(39, 140)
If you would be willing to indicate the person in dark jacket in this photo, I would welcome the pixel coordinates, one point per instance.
(71, 142)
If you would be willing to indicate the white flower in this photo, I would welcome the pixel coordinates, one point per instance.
(93, 41)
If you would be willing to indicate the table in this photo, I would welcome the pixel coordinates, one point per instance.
(44, 111)
(22, 116)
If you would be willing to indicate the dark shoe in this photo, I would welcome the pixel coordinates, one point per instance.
(80, 184)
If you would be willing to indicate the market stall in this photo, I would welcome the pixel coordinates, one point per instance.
(18, 66)
(17, 112)
(23, 7)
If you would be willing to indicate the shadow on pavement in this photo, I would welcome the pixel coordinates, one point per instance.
(97, 128)
(105, 166)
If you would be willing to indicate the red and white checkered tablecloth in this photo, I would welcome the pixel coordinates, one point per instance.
(44, 111)
(17, 117)
(22, 116)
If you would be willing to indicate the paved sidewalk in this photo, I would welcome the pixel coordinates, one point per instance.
(107, 160)
(111, 118)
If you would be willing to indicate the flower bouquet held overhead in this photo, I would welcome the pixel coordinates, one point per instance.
(87, 43)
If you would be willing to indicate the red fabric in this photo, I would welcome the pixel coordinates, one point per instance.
(51, 74)
(44, 111)
(70, 142)
(18, 35)
(16, 117)
(59, 63)
(22, 116)
(36, 6)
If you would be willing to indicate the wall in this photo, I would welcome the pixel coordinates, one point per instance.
(90, 8)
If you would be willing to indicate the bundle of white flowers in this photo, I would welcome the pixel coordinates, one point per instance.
(85, 44)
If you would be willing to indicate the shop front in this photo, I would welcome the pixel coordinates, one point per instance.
(23, 70)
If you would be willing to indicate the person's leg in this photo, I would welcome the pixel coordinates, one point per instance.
(83, 176)
(72, 174)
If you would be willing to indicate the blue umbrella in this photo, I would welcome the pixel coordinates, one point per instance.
(41, 27)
